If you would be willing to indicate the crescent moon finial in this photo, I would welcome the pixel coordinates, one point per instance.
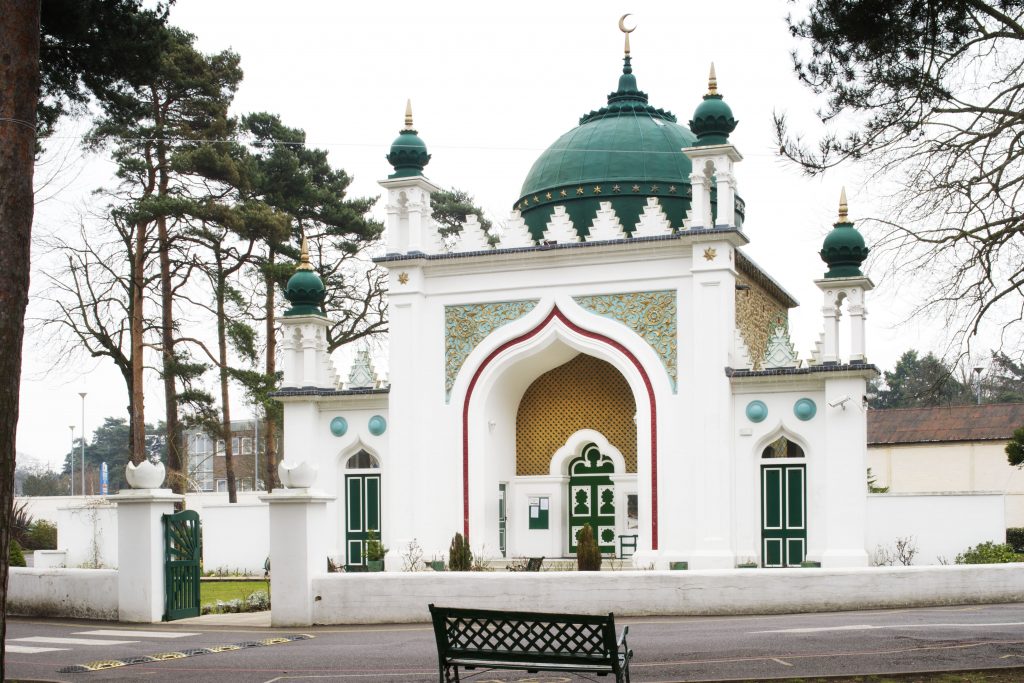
(627, 31)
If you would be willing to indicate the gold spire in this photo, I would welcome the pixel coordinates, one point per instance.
(408, 114)
(304, 256)
(843, 208)
(712, 81)
(627, 31)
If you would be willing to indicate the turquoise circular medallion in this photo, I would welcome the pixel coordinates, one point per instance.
(805, 409)
(377, 425)
(757, 411)
(339, 426)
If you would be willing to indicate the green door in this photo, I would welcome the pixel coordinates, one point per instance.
(362, 514)
(183, 550)
(502, 492)
(783, 515)
(592, 498)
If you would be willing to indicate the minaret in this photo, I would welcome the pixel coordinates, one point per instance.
(408, 204)
(307, 362)
(844, 251)
(713, 157)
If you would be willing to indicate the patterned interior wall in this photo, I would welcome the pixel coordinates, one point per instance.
(585, 393)
(758, 313)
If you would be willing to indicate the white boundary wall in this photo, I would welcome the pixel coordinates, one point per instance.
(403, 598)
(942, 525)
(236, 538)
(77, 593)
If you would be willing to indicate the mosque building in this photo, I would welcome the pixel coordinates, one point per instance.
(615, 360)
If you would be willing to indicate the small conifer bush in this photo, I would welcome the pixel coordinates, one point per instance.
(588, 555)
(460, 557)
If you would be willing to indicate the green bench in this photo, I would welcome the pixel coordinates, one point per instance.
(528, 641)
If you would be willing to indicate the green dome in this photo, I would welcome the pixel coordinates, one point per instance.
(305, 290)
(622, 153)
(408, 152)
(843, 249)
(713, 121)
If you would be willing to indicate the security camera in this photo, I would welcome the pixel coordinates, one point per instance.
(841, 403)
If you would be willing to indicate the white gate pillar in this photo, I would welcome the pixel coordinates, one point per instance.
(140, 552)
(298, 552)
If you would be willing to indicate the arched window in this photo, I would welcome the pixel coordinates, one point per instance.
(362, 461)
(782, 448)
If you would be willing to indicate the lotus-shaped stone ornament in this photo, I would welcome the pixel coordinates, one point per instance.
(300, 476)
(146, 475)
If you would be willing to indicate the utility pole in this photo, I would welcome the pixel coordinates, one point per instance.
(82, 394)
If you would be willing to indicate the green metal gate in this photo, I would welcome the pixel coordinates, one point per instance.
(783, 515)
(362, 515)
(592, 498)
(183, 543)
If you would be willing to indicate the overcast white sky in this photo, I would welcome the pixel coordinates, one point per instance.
(492, 85)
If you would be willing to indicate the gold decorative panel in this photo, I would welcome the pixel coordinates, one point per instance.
(758, 313)
(585, 393)
(466, 326)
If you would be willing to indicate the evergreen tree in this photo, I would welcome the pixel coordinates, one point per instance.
(918, 382)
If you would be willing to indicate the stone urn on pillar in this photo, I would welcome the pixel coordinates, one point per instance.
(148, 474)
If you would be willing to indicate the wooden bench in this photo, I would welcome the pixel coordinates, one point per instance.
(528, 641)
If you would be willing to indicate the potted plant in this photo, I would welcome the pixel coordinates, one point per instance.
(375, 552)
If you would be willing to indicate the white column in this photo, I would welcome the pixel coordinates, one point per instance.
(726, 184)
(419, 211)
(858, 314)
(298, 552)
(830, 312)
(140, 552)
(700, 205)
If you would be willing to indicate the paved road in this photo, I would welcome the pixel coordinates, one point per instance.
(667, 649)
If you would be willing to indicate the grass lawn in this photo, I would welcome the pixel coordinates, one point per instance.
(212, 591)
(1007, 675)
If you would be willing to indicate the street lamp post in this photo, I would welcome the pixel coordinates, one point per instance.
(72, 477)
(977, 382)
(82, 464)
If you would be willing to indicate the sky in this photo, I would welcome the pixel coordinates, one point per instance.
(492, 85)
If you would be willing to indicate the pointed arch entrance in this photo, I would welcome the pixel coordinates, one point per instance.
(611, 347)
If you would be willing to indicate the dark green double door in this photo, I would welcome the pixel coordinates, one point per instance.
(592, 498)
(362, 514)
(783, 515)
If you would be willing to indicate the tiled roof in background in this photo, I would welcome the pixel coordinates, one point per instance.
(987, 422)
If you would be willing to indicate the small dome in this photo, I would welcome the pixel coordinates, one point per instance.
(408, 152)
(712, 120)
(844, 249)
(305, 290)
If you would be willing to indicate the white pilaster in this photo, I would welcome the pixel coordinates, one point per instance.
(140, 552)
(713, 161)
(845, 465)
(298, 552)
(837, 291)
(307, 362)
(409, 226)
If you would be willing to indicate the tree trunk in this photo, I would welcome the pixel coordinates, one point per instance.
(19, 89)
(176, 457)
(225, 399)
(270, 433)
(137, 446)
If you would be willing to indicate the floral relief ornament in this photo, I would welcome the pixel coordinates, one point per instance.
(466, 326)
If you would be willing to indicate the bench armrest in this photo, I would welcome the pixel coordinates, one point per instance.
(622, 638)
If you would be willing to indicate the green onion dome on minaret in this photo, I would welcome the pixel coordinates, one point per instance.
(623, 153)
(712, 120)
(408, 152)
(305, 290)
(844, 249)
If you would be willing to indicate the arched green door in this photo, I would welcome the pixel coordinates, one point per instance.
(592, 497)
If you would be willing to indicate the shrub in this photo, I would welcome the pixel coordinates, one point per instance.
(588, 555)
(42, 535)
(1015, 538)
(987, 553)
(14, 554)
(460, 557)
(375, 550)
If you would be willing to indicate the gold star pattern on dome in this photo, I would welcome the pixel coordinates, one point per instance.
(579, 190)
(710, 254)
(616, 188)
(562, 193)
(671, 189)
(403, 278)
(597, 189)
(655, 188)
(636, 188)
(547, 195)
(526, 202)
(536, 199)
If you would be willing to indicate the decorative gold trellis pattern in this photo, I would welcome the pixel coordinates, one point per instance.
(758, 313)
(466, 326)
(585, 393)
(652, 315)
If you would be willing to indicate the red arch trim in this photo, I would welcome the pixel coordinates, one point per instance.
(555, 313)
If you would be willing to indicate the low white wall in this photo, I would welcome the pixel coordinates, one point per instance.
(236, 538)
(403, 598)
(87, 531)
(942, 525)
(77, 593)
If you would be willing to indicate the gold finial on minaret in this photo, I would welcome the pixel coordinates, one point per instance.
(712, 81)
(408, 114)
(627, 31)
(304, 256)
(843, 208)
